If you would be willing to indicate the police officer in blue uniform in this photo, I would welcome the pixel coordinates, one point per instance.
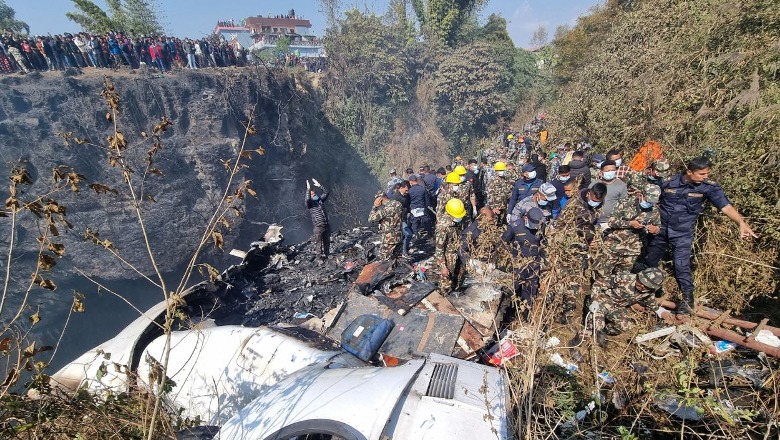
(523, 234)
(682, 199)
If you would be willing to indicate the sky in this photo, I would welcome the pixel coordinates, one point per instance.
(196, 18)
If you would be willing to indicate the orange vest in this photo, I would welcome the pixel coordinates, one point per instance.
(647, 154)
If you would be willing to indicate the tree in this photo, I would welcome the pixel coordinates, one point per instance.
(444, 19)
(539, 38)
(8, 22)
(134, 16)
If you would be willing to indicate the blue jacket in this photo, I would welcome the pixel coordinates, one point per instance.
(681, 203)
(522, 190)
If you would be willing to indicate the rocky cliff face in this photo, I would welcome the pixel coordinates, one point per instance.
(207, 111)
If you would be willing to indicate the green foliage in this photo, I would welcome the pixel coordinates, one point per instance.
(694, 76)
(444, 19)
(472, 91)
(137, 17)
(8, 22)
(369, 80)
(283, 45)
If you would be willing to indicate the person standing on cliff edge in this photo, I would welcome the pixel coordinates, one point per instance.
(319, 218)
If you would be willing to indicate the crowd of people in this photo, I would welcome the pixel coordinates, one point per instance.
(114, 50)
(612, 222)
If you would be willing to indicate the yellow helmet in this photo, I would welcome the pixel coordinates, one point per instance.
(459, 170)
(455, 208)
(499, 166)
(452, 178)
(511, 136)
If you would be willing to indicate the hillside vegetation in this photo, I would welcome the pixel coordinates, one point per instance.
(700, 77)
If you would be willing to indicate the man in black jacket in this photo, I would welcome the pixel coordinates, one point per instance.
(319, 218)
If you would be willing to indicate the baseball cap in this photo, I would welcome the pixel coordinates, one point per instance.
(661, 166)
(392, 171)
(598, 157)
(651, 193)
(528, 167)
(652, 278)
(548, 190)
(535, 216)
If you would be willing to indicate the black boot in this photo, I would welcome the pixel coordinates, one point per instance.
(686, 304)
(601, 338)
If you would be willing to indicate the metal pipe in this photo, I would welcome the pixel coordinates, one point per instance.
(712, 314)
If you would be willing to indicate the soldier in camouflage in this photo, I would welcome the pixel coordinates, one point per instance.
(633, 219)
(612, 310)
(389, 214)
(465, 192)
(499, 189)
(449, 228)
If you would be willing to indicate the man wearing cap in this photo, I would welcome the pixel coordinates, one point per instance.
(682, 199)
(389, 214)
(394, 180)
(522, 234)
(525, 187)
(499, 189)
(633, 221)
(611, 308)
(595, 165)
(542, 199)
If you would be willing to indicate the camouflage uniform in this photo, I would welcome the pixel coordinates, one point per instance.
(499, 190)
(622, 243)
(389, 216)
(465, 194)
(445, 194)
(447, 237)
(612, 310)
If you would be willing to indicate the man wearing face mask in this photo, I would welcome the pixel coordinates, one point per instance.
(319, 218)
(450, 190)
(474, 177)
(499, 190)
(542, 200)
(682, 199)
(616, 190)
(634, 220)
(658, 171)
(523, 236)
(621, 169)
(449, 228)
(563, 175)
(525, 187)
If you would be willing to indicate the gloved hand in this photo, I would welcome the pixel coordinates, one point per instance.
(508, 218)
(474, 211)
(317, 184)
(308, 186)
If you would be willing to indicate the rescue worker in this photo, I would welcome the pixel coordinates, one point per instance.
(616, 190)
(448, 232)
(542, 199)
(402, 196)
(682, 200)
(394, 180)
(612, 308)
(466, 192)
(389, 214)
(319, 217)
(476, 179)
(419, 202)
(451, 189)
(522, 234)
(499, 190)
(479, 238)
(634, 220)
(525, 187)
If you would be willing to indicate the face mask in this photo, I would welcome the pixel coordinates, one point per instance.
(653, 178)
(594, 204)
(462, 179)
(564, 179)
(645, 205)
(598, 164)
(456, 188)
(475, 170)
(528, 226)
(315, 198)
(618, 162)
(501, 173)
(542, 202)
(457, 220)
(609, 175)
(531, 175)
